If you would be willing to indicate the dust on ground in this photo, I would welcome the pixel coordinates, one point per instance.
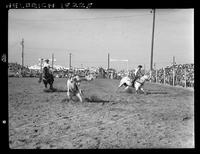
(107, 119)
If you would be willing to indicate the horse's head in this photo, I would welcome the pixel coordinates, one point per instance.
(147, 77)
(76, 78)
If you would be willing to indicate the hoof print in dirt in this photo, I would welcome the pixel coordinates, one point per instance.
(50, 90)
(64, 100)
(94, 98)
(129, 90)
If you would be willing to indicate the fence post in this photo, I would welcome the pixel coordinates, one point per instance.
(151, 75)
(185, 78)
(156, 76)
(164, 76)
(173, 76)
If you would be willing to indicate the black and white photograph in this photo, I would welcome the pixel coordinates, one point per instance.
(101, 78)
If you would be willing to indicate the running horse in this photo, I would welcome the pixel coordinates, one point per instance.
(138, 84)
(48, 78)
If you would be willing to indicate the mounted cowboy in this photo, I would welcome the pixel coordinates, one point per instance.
(46, 65)
(46, 74)
(137, 74)
(138, 84)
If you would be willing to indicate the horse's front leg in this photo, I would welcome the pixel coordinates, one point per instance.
(119, 86)
(79, 96)
(136, 89)
(126, 88)
(81, 92)
(51, 86)
(45, 84)
(142, 90)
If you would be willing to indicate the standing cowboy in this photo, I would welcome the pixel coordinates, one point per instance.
(137, 74)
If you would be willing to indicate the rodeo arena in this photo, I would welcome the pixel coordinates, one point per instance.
(59, 107)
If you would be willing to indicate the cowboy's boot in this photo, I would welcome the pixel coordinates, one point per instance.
(133, 83)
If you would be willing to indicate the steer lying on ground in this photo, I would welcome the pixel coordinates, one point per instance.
(72, 88)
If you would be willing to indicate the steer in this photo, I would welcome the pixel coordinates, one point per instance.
(72, 89)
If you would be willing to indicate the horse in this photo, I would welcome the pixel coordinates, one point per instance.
(72, 88)
(48, 78)
(138, 84)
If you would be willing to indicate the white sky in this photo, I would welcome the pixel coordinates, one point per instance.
(90, 34)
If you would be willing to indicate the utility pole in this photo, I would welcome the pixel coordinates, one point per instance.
(108, 61)
(22, 68)
(152, 42)
(70, 61)
(156, 72)
(127, 68)
(22, 43)
(52, 60)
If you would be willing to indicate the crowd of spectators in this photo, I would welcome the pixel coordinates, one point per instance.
(16, 70)
(183, 75)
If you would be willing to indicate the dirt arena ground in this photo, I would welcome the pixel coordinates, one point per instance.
(107, 119)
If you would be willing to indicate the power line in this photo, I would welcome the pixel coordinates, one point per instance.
(94, 18)
(74, 19)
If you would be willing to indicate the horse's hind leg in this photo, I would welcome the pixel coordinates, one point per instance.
(126, 88)
(142, 90)
(51, 86)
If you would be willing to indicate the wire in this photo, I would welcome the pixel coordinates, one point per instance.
(73, 19)
(95, 18)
